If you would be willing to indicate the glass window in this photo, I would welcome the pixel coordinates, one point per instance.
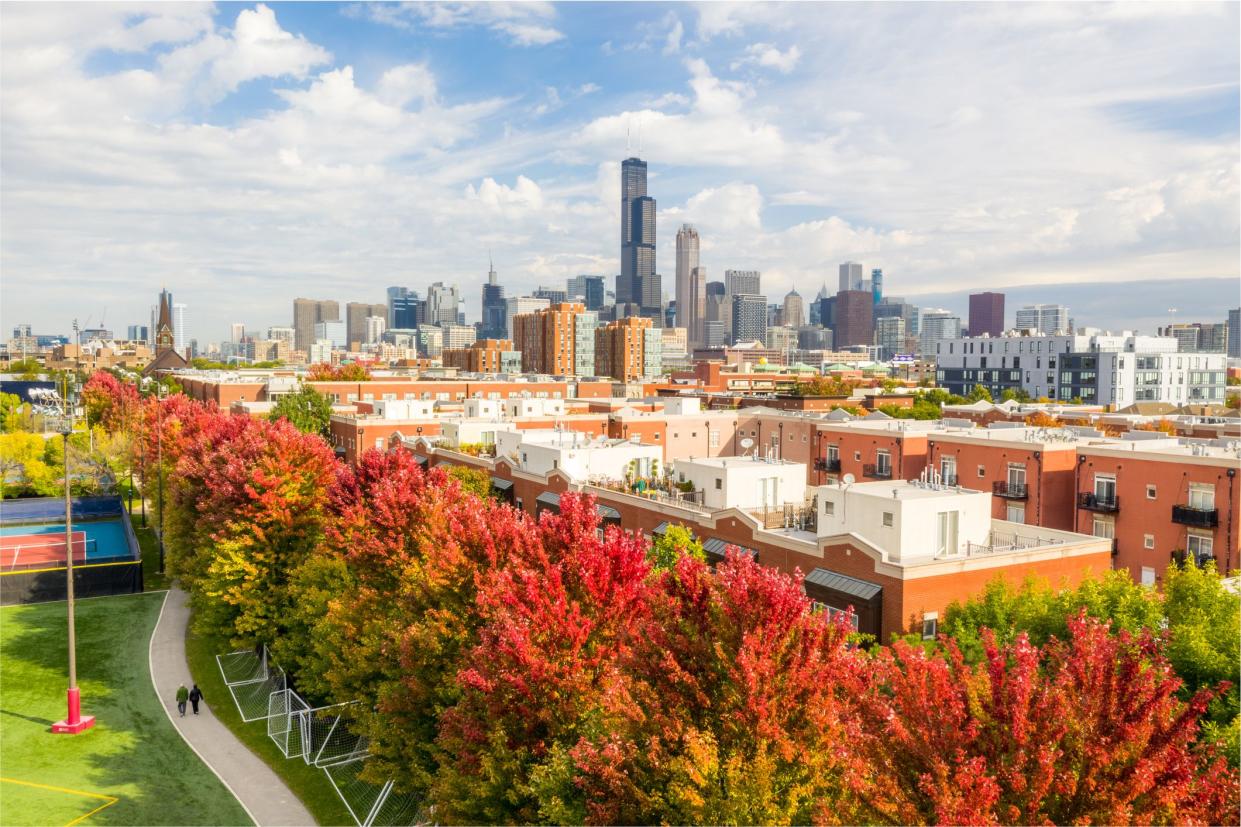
(930, 628)
(1150, 492)
(1202, 497)
(948, 470)
(719, 484)
(1105, 488)
(1104, 527)
(1016, 513)
(946, 533)
(1148, 541)
(887, 518)
(883, 463)
(1148, 576)
(829, 508)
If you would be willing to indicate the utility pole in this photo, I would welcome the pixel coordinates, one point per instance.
(159, 442)
(61, 411)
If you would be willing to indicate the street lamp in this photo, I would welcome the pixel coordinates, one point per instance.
(58, 412)
(159, 443)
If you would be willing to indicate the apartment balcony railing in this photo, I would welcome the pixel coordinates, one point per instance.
(1197, 517)
(948, 479)
(1010, 490)
(827, 464)
(1095, 502)
(877, 473)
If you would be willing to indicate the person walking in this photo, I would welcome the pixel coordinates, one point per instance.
(183, 695)
(196, 695)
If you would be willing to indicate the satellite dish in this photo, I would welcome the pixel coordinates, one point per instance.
(848, 479)
(747, 444)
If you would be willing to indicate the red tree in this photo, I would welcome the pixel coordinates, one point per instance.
(1087, 730)
(352, 372)
(109, 401)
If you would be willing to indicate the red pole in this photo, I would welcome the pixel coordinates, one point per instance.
(74, 722)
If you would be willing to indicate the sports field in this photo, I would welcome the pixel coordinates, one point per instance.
(132, 768)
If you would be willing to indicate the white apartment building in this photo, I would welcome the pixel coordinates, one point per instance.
(1093, 367)
(936, 326)
(519, 306)
(1045, 318)
(580, 456)
(750, 483)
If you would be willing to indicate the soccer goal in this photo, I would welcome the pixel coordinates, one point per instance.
(251, 680)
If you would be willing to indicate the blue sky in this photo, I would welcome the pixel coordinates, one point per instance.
(245, 154)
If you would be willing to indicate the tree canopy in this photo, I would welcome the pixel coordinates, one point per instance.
(306, 409)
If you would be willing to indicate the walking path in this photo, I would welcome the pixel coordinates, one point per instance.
(261, 792)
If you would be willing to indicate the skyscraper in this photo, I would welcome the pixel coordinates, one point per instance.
(594, 292)
(638, 284)
(697, 304)
(306, 314)
(442, 303)
(405, 309)
(986, 314)
(855, 320)
(850, 279)
(494, 308)
(1234, 333)
(179, 333)
(1045, 318)
(516, 306)
(938, 325)
(749, 318)
(793, 313)
(559, 340)
(356, 314)
(876, 284)
(237, 332)
(687, 262)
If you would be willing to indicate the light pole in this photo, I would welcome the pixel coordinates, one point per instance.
(159, 447)
(59, 411)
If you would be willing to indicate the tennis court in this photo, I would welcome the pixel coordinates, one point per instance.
(34, 549)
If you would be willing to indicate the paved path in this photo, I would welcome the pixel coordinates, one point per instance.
(261, 792)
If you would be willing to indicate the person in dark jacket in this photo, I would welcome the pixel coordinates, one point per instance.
(196, 695)
(183, 695)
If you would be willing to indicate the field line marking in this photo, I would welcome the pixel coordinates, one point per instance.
(103, 796)
(103, 806)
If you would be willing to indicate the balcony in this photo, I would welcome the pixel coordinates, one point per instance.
(827, 464)
(1010, 490)
(1094, 502)
(874, 472)
(1196, 517)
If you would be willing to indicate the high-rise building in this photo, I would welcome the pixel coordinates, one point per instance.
(458, 335)
(628, 349)
(738, 282)
(827, 311)
(889, 336)
(442, 303)
(517, 306)
(179, 332)
(687, 263)
(282, 334)
(1234, 333)
(854, 318)
(938, 326)
(595, 294)
(356, 314)
(405, 309)
(558, 340)
(333, 331)
(236, 332)
(713, 334)
(306, 314)
(553, 294)
(851, 276)
(638, 283)
(484, 356)
(575, 289)
(1198, 337)
(1045, 318)
(816, 306)
(986, 314)
(876, 285)
(375, 327)
(793, 313)
(135, 333)
(494, 313)
(749, 314)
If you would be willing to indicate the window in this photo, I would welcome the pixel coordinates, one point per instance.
(1202, 497)
(883, 463)
(1016, 513)
(1150, 492)
(930, 628)
(657, 437)
(1016, 478)
(948, 470)
(1103, 527)
(946, 533)
(833, 453)
(857, 456)
(982, 471)
(1201, 547)
(713, 439)
(1148, 541)
(887, 518)
(1148, 576)
(379, 442)
(829, 508)
(1105, 488)
(719, 484)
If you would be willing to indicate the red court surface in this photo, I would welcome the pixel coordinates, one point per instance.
(20, 551)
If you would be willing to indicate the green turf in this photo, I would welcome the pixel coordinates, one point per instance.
(133, 752)
(308, 783)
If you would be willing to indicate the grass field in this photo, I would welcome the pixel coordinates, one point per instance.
(307, 783)
(133, 754)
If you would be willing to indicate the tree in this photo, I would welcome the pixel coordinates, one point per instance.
(824, 386)
(556, 623)
(1083, 730)
(24, 466)
(1042, 419)
(1163, 426)
(475, 481)
(352, 372)
(109, 401)
(676, 542)
(11, 417)
(28, 369)
(1014, 395)
(734, 709)
(306, 409)
(979, 394)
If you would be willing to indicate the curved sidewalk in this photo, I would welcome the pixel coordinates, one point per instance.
(261, 792)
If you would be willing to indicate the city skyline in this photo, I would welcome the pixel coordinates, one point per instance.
(715, 94)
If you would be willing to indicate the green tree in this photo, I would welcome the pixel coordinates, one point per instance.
(27, 369)
(11, 413)
(24, 469)
(308, 410)
(476, 481)
(676, 542)
(979, 393)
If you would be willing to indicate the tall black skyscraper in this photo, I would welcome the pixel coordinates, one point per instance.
(494, 322)
(638, 283)
(594, 292)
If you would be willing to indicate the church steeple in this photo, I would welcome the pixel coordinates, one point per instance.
(164, 338)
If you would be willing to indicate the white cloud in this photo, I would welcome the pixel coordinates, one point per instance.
(727, 209)
(769, 56)
(672, 42)
(525, 23)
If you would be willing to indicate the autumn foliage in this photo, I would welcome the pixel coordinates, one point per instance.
(512, 669)
(352, 372)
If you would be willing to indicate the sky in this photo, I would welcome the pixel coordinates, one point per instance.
(247, 154)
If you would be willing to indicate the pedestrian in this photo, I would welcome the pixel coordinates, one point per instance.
(183, 695)
(196, 695)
